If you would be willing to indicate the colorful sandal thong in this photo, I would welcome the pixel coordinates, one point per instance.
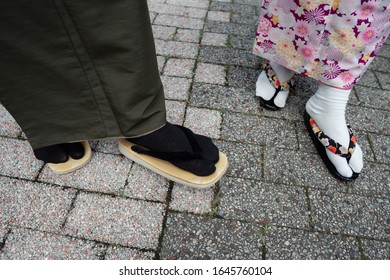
(275, 82)
(322, 142)
(155, 161)
(72, 164)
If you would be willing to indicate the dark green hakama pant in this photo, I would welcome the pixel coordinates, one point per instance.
(73, 70)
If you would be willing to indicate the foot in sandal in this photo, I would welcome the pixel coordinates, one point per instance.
(178, 154)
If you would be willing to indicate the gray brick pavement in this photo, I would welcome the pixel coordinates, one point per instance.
(277, 201)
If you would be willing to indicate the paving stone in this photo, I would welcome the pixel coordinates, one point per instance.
(295, 106)
(373, 97)
(267, 203)
(108, 146)
(176, 49)
(243, 78)
(247, 2)
(145, 184)
(242, 41)
(214, 39)
(8, 126)
(161, 63)
(3, 231)
(299, 169)
(204, 121)
(373, 181)
(162, 8)
(218, 16)
(239, 18)
(188, 35)
(179, 21)
(369, 79)
(376, 250)
(227, 56)
(116, 220)
(245, 160)
(17, 159)
(384, 80)
(230, 28)
(259, 130)
(204, 4)
(380, 64)
(368, 119)
(210, 73)
(292, 244)
(25, 244)
(186, 199)
(34, 205)
(176, 88)
(123, 253)
(180, 67)
(163, 32)
(152, 17)
(223, 98)
(385, 51)
(192, 237)
(350, 214)
(175, 111)
(104, 173)
(381, 146)
(233, 7)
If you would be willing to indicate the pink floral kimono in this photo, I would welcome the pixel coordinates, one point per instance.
(332, 41)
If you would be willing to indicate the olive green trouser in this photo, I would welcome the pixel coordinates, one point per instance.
(79, 69)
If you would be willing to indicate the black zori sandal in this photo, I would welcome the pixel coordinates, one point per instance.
(275, 82)
(322, 142)
(180, 167)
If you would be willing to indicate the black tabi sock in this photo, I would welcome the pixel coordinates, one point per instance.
(60, 153)
(171, 138)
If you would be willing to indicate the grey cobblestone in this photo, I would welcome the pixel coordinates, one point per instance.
(186, 199)
(33, 205)
(266, 203)
(25, 244)
(292, 244)
(176, 88)
(123, 253)
(350, 214)
(8, 127)
(17, 159)
(245, 160)
(116, 220)
(144, 184)
(214, 39)
(176, 49)
(259, 130)
(223, 98)
(204, 121)
(376, 250)
(192, 237)
(104, 173)
(179, 21)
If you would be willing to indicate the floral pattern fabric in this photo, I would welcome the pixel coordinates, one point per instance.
(332, 41)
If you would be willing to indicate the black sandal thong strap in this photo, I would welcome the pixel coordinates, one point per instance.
(175, 156)
(333, 145)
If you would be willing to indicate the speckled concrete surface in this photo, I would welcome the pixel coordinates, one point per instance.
(36, 245)
(34, 205)
(277, 200)
(116, 220)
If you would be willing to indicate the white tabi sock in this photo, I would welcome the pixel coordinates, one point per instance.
(265, 90)
(327, 108)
